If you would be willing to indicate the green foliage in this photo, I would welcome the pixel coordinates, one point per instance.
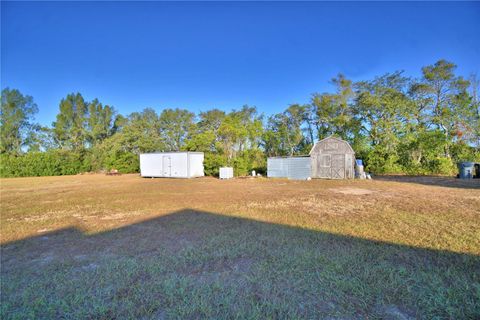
(256, 160)
(239, 131)
(203, 141)
(394, 123)
(380, 161)
(211, 120)
(333, 113)
(464, 152)
(442, 166)
(176, 126)
(124, 162)
(49, 163)
(70, 127)
(423, 153)
(213, 162)
(16, 125)
(284, 134)
(100, 122)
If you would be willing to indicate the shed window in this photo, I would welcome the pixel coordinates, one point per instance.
(331, 146)
(325, 160)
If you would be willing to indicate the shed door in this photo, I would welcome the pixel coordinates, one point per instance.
(324, 166)
(338, 166)
(167, 166)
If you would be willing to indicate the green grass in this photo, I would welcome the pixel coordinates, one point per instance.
(238, 268)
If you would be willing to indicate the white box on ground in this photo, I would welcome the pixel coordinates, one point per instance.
(226, 173)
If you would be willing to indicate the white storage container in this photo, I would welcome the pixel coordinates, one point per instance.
(172, 164)
(226, 173)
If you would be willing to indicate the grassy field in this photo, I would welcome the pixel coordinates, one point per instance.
(102, 247)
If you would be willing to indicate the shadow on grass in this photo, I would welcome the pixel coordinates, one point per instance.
(192, 265)
(449, 182)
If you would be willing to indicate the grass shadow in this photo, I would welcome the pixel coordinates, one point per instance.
(192, 264)
(448, 182)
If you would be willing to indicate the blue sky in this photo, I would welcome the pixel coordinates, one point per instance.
(203, 55)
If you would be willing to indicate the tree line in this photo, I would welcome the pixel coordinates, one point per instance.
(395, 123)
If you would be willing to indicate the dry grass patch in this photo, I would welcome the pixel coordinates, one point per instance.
(352, 191)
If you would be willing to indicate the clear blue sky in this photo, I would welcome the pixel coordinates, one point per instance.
(222, 55)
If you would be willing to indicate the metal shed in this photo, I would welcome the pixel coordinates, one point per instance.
(332, 158)
(172, 164)
(295, 168)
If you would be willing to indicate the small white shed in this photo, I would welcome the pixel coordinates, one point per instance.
(172, 164)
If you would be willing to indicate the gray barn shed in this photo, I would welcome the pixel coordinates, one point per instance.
(332, 158)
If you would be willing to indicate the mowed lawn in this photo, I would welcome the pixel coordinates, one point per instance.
(105, 247)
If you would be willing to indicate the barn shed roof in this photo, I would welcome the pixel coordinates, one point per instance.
(332, 138)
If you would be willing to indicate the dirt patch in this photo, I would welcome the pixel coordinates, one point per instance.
(352, 191)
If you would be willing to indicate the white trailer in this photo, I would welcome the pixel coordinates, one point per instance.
(172, 164)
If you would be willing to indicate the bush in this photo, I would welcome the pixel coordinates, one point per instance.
(380, 162)
(50, 163)
(443, 166)
(250, 160)
(212, 163)
(124, 162)
(463, 152)
(241, 166)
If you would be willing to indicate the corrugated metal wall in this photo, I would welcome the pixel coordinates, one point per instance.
(299, 168)
(295, 168)
(277, 168)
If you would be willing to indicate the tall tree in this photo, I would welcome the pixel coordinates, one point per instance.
(16, 116)
(284, 133)
(475, 119)
(334, 113)
(70, 127)
(210, 120)
(383, 107)
(447, 99)
(206, 138)
(252, 122)
(41, 139)
(176, 126)
(232, 134)
(141, 133)
(135, 134)
(240, 131)
(100, 122)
